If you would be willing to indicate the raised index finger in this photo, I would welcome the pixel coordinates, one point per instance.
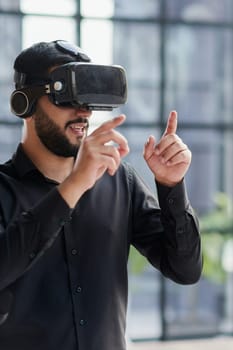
(106, 133)
(171, 124)
(110, 124)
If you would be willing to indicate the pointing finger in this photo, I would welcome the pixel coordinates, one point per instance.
(110, 124)
(171, 124)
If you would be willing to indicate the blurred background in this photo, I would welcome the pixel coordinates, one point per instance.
(178, 54)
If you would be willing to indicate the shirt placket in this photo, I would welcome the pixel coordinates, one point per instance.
(76, 287)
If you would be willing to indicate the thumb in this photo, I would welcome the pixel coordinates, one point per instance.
(149, 147)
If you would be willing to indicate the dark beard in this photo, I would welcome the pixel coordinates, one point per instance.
(51, 136)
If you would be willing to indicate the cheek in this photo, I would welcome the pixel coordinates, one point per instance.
(50, 109)
(57, 115)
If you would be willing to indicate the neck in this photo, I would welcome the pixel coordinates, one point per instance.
(51, 166)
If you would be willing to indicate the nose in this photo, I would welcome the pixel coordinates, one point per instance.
(84, 112)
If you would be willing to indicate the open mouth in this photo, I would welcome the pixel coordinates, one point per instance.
(78, 129)
(79, 126)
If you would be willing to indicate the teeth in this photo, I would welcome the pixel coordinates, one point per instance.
(78, 127)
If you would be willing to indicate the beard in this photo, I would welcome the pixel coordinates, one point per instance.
(52, 137)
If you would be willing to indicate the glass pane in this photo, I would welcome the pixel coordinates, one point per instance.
(227, 269)
(129, 8)
(6, 88)
(199, 70)
(100, 8)
(144, 304)
(136, 139)
(58, 7)
(206, 308)
(10, 29)
(97, 40)
(205, 174)
(139, 54)
(142, 103)
(192, 310)
(144, 281)
(228, 164)
(50, 29)
(205, 10)
(135, 8)
(9, 5)
(10, 136)
(98, 117)
(227, 74)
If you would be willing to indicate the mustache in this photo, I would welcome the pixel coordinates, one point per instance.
(78, 120)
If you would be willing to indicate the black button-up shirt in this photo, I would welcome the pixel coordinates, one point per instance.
(63, 272)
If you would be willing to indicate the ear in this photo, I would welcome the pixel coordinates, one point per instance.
(22, 103)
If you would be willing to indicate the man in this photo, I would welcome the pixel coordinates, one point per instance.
(70, 209)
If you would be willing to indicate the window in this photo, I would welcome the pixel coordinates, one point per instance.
(178, 55)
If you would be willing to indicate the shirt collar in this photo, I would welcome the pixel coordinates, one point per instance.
(22, 163)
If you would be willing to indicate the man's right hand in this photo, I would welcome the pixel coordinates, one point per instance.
(99, 152)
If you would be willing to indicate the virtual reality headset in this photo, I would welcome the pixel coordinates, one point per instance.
(75, 84)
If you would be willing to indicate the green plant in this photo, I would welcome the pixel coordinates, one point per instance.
(137, 262)
(216, 230)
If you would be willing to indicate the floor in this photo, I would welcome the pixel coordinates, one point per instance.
(220, 343)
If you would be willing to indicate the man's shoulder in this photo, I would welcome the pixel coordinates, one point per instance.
(126, 167)
(8, 176)
(127, 172)
(7, 168)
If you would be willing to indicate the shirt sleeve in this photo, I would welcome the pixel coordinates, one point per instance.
(25, 239)
(166, 231)
(176, 210)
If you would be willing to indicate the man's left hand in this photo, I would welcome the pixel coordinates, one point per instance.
(170, 158)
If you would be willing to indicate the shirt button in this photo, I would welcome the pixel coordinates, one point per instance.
(62, 222)
(78, 289)
(32, 255)
(74, 251)
(25, 215)
(180, 231)
(82, 322)
(170, 200)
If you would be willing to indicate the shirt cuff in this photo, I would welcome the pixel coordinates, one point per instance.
(173, 200)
